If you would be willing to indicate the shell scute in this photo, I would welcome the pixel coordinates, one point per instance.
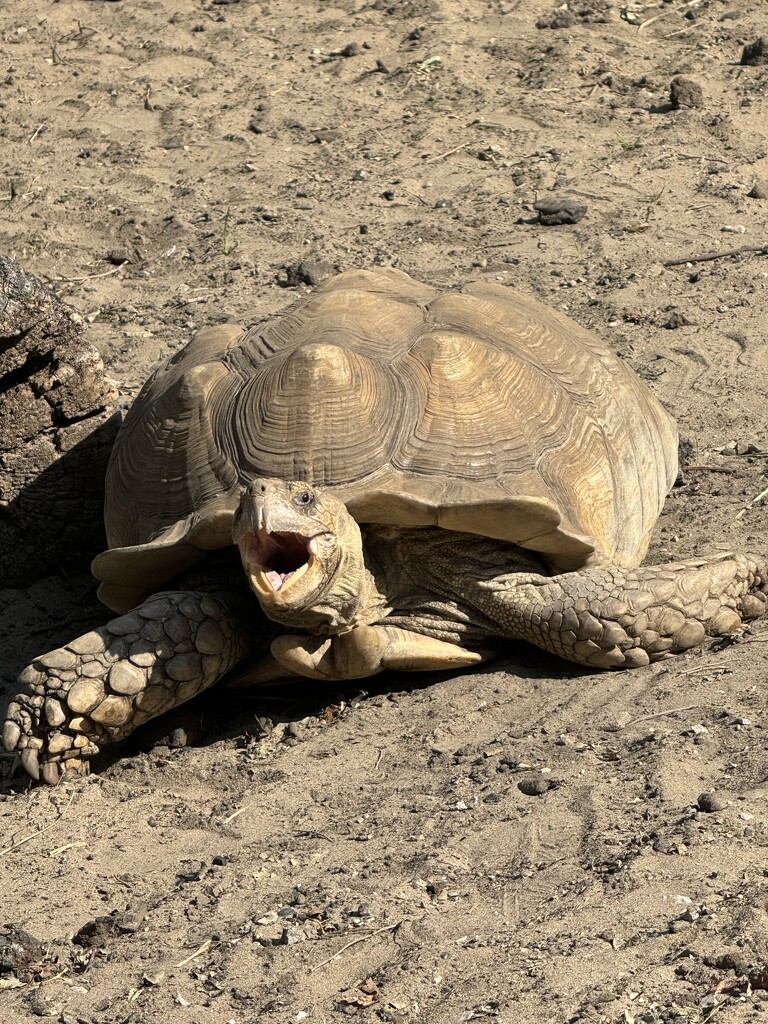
(479, 410)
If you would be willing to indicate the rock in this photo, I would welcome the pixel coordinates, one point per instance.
(755, 54)
(97, 932)
(560, 210)
(20, 952)
(534, 785)
(56, 432)
(712, 802)
(311, 272)
(684, 92)
(559, 19)
(675, 320)
(759, 190)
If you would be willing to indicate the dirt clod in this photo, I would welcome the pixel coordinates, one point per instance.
(311, 272)
(712, 802)
(685, 92)
(560, 210)
(755, 54)
(534, 785)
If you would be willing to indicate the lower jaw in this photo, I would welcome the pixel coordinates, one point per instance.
(270, 595)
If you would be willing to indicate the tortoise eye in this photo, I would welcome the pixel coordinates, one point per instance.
(304, 498)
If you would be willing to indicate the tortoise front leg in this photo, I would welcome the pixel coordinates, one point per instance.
(101, 686)
(610, 617)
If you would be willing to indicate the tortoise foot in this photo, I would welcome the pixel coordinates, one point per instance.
(45, 754)
(101, 686)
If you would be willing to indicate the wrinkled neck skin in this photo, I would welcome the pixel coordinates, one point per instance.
(436, 580)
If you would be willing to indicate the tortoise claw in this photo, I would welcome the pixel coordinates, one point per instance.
(11, 735)
(51, 774)
(31, 762)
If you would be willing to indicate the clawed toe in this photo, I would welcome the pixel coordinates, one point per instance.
(30, 761)
(46, 755)
(11, 734)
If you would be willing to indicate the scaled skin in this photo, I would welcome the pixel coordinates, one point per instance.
(397, 597)
(351, 603)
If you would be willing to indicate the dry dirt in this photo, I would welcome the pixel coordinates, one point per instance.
(314, 855)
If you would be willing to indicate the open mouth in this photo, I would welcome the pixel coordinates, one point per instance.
(280, 558)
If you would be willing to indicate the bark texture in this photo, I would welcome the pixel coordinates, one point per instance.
(57, 424)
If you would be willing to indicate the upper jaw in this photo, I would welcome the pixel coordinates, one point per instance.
(288, 543)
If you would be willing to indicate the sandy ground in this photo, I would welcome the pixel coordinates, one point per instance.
(310, 855)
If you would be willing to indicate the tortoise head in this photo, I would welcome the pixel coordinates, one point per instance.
(302, 553)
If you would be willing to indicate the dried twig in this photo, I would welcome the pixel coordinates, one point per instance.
(421, 199)
(661, 714)
(354, 942)
(448, 152)
(198, 952)
(235, 814)
(755, 501)
(67, 846)
(680, 10)
(90, 277)
(707, 256)
(40, 831)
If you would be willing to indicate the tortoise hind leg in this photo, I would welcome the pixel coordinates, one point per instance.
(101, 686)
(610, 617)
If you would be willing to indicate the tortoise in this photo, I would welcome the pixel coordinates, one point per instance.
(380, 477)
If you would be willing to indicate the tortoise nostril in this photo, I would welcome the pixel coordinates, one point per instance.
(263, 488)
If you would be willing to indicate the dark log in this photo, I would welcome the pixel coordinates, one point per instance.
(57, 424)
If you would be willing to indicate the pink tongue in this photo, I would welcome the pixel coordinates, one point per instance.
(277, 579)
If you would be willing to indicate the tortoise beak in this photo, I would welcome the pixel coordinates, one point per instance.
(277, 541)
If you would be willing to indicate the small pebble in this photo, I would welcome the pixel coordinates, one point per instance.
(326, 134)
(311, 272)
(178, 737)
(758, 191)
(712, 802)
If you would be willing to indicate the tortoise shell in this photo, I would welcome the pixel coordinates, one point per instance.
(479, 410)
